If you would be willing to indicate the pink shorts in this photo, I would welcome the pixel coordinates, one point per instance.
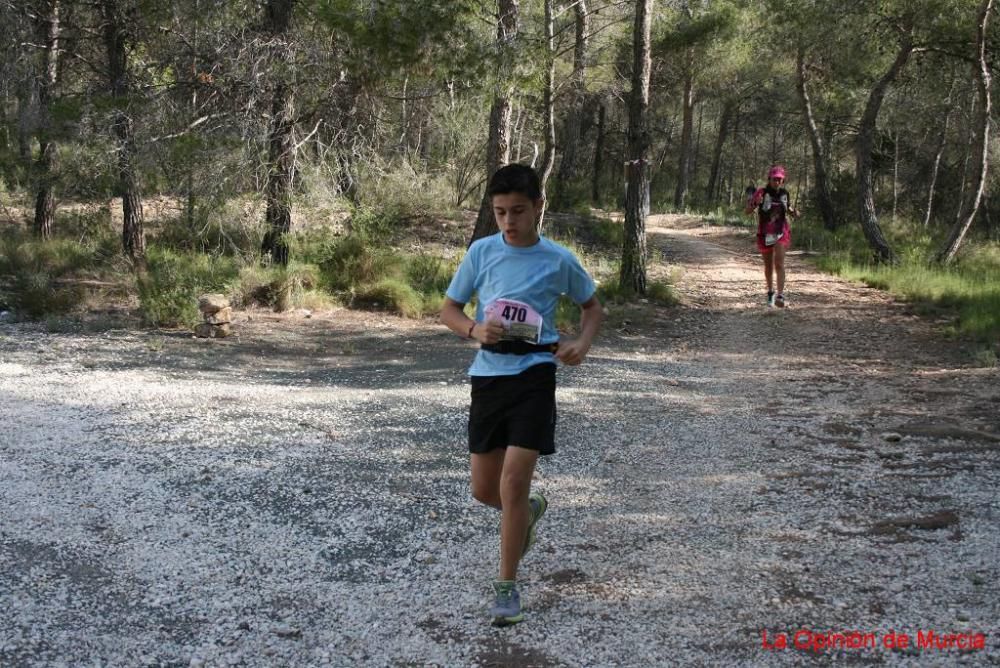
(785, 240)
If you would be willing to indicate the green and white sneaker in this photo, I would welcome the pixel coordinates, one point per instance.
(537, 504)
(506, 608)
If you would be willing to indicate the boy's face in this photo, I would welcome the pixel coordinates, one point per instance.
(517, 217)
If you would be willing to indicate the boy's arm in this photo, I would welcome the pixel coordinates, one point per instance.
(454, 318)
(574, 351)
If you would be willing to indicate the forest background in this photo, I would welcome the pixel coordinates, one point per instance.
(306, 154)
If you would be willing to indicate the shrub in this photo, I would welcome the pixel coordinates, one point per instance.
(352, 262)
(40, 274)
(36, 294)
(398, 191)
(168, 291)
(392, 295)
(662, 293)
(219, 228)
(429, 274)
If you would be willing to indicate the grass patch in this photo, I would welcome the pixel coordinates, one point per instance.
(967, 290)
(971, 294)
(730, 217)
(392, 295)
(280, 288)
(39, 278)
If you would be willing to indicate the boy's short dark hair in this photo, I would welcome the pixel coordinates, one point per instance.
(515, 178)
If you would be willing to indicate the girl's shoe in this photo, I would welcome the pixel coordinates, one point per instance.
(770, 297)
(779, 300)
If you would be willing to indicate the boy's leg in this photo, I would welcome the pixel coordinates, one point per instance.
(515, 485)
(486, 469)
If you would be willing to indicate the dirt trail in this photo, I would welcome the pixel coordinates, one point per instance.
(874, 442)
(298, 494)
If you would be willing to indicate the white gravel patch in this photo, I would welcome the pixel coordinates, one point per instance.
(166, 507)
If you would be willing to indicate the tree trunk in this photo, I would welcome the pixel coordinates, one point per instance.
(44, 198)
(970, 149)
(573, 127)
(983, 81)
(280, 147)
(346, 124)
(895, 175)
(687, 128)
(595, 184)
(190, 205)
(26, 100)
(347, 182)
(115, 39)
(864, 148)
(823, 199)
(938, 152)
(498, 146)
(549, 152)
(281, 163)
(711, 193)
(633, 267)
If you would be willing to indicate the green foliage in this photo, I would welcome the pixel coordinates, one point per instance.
(216, 228)
(395, 33)
(608, 233)
(296, 286)
(661, 292)
(730, 217)
(85, 170)
(40, 277)
(587, 233)
(352, 262)
(700, 29)
(35, 294)
(400, 192)
(571, 195)
(429, 274)
(391, 294)
(364, 273)
(969, 290)
(252, 286)
(169, 289)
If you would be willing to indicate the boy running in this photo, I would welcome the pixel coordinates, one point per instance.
(518, 277)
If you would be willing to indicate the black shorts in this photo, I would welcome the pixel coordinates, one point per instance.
(514, 410)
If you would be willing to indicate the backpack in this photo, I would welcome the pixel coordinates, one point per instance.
(772, 215)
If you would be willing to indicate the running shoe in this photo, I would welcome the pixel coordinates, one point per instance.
(537, 505)
(506, 608)
(779, 300)
(770, 297)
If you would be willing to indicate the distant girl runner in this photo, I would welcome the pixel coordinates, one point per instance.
(774, 234)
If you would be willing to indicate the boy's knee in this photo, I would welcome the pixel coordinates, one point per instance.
(514, 484)
(486, 492)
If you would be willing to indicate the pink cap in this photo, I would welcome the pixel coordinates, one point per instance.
(776, 171)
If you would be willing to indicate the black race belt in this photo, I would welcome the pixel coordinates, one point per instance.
(519, 347)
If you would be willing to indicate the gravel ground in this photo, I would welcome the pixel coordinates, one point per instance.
(298, 495)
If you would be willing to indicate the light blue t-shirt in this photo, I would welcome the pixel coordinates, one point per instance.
(536, 275)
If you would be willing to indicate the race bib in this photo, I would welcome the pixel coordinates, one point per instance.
(520, 321)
